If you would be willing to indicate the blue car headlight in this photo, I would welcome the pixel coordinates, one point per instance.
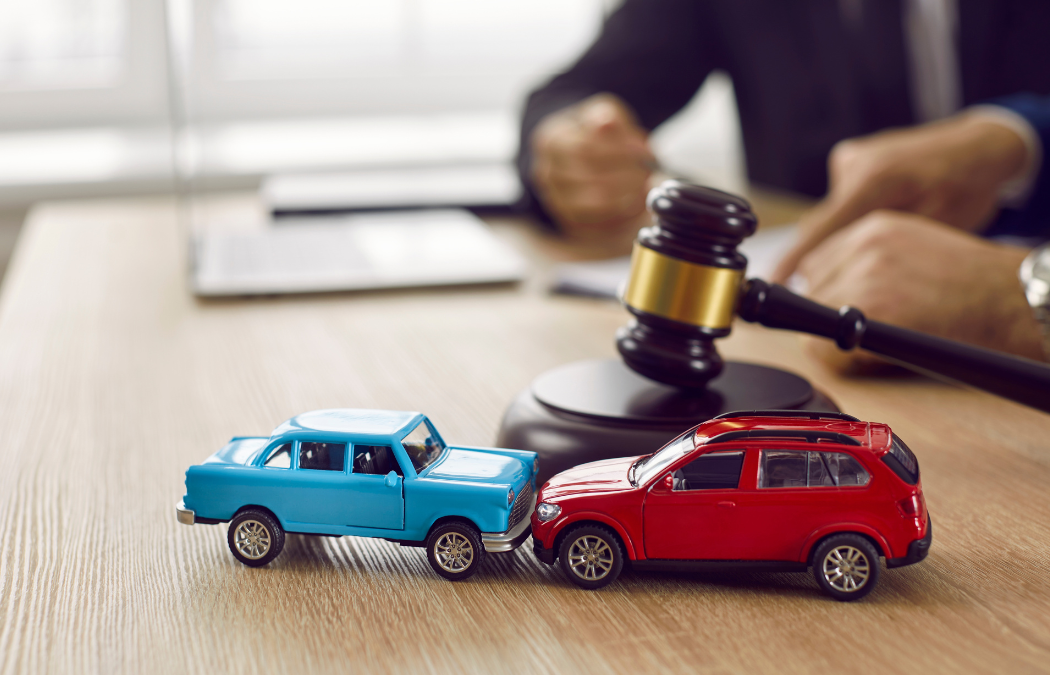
(510, 496)
(535, 465)
(545, 511)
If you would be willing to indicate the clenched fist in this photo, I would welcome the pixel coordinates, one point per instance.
(591, 166)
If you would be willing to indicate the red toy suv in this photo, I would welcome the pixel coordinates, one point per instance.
(759, 489)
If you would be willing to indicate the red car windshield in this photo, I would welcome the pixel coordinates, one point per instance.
(652, 466)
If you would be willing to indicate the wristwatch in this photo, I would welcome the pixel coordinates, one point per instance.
(1035, 278)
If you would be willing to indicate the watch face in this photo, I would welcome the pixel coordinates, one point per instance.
(1041, 269)
(1036, 278)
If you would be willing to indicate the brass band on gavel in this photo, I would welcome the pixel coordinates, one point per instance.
(698, 295)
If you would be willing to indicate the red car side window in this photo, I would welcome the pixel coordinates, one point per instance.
(714, 471)
(796, 468)
(844, 469)
(782, 468)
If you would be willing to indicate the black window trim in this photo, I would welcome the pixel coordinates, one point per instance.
(784, 434)
(806, 414)
(895, 465)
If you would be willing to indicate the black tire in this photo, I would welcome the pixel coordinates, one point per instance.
(846, 566)
(455, 550)
(591, 556)
(255, 537)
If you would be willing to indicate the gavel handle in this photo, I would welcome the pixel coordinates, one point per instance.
(1013, 377)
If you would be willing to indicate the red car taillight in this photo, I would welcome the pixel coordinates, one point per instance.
(913, 507)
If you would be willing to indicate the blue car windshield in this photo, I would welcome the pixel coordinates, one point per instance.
(423, 446)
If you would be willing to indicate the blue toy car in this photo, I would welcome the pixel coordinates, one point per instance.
(365, 473)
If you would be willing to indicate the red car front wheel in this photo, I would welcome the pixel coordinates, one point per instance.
(591, 556)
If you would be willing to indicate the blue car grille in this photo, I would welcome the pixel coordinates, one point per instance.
(521, 506)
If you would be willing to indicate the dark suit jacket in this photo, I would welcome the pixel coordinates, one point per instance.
(803, 78)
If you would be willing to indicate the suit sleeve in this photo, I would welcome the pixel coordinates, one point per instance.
(653, 54)
(1033, 219)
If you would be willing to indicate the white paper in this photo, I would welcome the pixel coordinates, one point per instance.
(603, 278)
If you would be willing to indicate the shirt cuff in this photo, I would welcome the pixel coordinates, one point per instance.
(1015, 192)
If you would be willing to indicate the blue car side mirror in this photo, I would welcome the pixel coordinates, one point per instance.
(391, 479)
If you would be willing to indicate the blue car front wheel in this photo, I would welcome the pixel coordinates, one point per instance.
(455, 550)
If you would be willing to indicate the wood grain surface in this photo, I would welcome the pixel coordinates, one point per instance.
(114, 379)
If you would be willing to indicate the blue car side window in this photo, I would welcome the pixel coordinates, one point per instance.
(322, 456)
(375, 460)
(280, 458)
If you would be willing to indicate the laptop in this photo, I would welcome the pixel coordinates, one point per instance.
(488, 185)
(356, 251)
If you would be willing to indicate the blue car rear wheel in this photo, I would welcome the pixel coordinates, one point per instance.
(255, 537)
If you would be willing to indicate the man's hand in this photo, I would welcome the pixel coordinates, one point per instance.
(591, 165)
(916, 273)
(951, 171)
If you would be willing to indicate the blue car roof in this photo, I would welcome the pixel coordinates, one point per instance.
(349, 421)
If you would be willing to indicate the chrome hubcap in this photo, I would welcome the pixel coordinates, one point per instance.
(454, 552)
(846, 569)
(252, 539)
(590, 558)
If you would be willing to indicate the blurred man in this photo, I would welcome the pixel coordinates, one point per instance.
(892, 237)
(807, 74)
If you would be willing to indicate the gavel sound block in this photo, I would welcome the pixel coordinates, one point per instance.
(685, 287)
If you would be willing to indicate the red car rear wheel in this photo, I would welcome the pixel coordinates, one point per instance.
(846, 566)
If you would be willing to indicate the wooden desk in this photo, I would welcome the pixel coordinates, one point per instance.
(113, 380)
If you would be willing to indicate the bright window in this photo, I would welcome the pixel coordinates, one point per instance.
(107, 61)
(277, 58)
(273, 39)
(46, 44)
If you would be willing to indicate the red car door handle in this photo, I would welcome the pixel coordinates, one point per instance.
(726, 505)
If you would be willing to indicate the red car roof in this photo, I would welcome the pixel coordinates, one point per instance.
(871, 435)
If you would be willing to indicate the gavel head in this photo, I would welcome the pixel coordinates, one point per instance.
(685, 278)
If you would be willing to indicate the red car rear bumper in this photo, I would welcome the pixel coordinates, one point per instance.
(917, 550)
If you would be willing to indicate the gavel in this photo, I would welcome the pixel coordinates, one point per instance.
(687, 284)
